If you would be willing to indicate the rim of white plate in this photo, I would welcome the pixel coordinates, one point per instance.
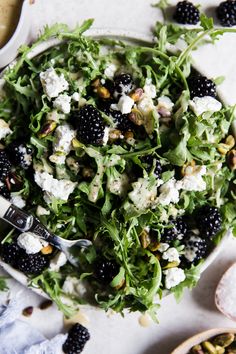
(130, 37)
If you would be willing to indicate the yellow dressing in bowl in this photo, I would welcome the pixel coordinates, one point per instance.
(9, 17)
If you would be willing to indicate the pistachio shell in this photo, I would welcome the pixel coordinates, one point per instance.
(224, 340)
(209, 347)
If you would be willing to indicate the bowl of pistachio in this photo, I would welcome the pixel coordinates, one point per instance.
(212, 341)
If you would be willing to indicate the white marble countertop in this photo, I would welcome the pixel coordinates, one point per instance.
(196, 312)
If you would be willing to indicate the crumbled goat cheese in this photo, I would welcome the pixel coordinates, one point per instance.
(57, 262)
(169, 192)
(52, 83)
(150, 89)
(18, 201)
(162, 247)
(145, 104)
(200, 105)
(110, 71)
(124, 104)
(57, 159)
(4, 129)
(59, 189)
(171, 255)
(174, 276)
(75, 97)
(144, 193)
(193, 181)
(118, 185)
(62, 103)
(31, 243)
(74, 286)
(64, 135)
(165, 106)
(106, 135)
(40, 211)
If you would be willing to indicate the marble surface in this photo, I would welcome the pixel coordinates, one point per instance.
(196, 312)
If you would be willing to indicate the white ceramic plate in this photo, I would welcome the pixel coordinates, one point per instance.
(132, 38)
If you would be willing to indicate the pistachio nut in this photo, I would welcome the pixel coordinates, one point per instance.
(96, 83)
(197, 349)
(154, 246)
(171, 265)
(137, 94)
(185, 170)
(209, 347)
(232, 159)
(231, 351)
(47, 129)
(145, 239)
(224, 340)
(76, 143)
(103, 92)
(114, 134)
(129, 135)
(47, 249)
(220, 350)
(227, 145)
(136, 117)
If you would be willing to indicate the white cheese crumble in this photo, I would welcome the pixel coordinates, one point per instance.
(75, 97)
(64, 135)
(150, 89)
(31, 243)
(193, 180)
(110, 70)
(124, 104)
(74, 286)
(57, 262)
(162, 247)
(174, 276)
(4, 129)
(18, 201)
(106, 136)
(145, 105)
(164, 106)
(62, 103)
(169, 192)
(144, 193)
(40, 211)
(59, 189)
(200, 105)
(171, 255)
(52, 83)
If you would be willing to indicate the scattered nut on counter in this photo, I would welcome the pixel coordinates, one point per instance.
(221, 344)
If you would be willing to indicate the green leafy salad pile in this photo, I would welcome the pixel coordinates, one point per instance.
(127, 146)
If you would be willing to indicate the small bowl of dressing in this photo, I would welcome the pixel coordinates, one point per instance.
(14, 28)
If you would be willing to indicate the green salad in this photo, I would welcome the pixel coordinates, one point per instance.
(127, 146)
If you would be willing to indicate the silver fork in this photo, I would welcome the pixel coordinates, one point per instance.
(25, 222)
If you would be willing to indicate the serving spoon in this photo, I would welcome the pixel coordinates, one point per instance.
(25, 222)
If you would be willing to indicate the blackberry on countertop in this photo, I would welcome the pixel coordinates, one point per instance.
(20, 154)
(10, 253)
(226, 13)
(123, 84)
(78, 336)
(209, 221)
(5, 166)
(105, 270)
(186, 13)
(177, 231)
(90, 126)
(5, 192)
(149, 161)
(32, 263)
(201, 86)
(196, 248)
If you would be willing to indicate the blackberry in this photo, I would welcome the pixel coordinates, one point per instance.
(123, 123)
(195, 249)
(32, 263)
(10, 253)
(149, 161)
(176, 232)
(123, 84)
(90, 126)
(5, 192)
(186, 13)
(105, 270)
(78, 336)
(201, 86)
(209, 221)
(20, 154)
(226, 13)
(5, 166)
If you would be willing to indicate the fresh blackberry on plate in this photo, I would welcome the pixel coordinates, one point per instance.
(186, 13)
(149, 161)
(32, 263)
(4, 192)
(90, 126)
(195, 249)
(201, 86)
(78, 336)
(105, 270)
(226, 13)
(209, 221)
(5, 166)
(122, 121)
(20, 154)
(10, 253)
(123, 84)
(177, 231)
